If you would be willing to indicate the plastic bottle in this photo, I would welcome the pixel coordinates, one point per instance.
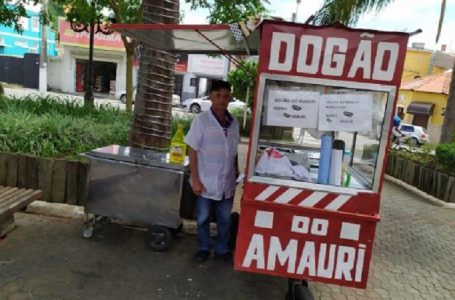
(177, 151)
(346, 172)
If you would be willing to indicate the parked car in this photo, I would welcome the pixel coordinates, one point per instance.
(121, 95)
(196, 105)
(416, 134)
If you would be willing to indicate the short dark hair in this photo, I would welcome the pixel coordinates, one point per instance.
(220, 85)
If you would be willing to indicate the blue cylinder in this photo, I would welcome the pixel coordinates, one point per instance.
(324, 160)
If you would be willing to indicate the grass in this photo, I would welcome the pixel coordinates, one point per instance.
(49, 127)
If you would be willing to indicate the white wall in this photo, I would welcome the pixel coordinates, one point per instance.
(54, 78)
(62, 70)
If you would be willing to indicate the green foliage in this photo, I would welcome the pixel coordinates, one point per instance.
(445, 156)
(82, 11)
(347, 12)
(10, 14)
(185, 121)
(48, 127)
(421, 155)
(230, 11)
(241, 78)
(239, 114)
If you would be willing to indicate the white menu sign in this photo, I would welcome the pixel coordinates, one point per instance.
(346, 112)
(292, 109)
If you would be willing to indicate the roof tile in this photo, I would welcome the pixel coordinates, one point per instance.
(438, 83)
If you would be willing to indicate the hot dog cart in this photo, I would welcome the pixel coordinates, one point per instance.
(140, 187)
(324, 102)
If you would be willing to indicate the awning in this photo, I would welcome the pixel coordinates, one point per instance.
(420, 108)
(194, 39)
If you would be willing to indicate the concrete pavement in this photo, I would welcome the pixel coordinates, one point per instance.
(46, 258)
(20, 92)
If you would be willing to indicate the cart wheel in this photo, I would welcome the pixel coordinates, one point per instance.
(235, 217)
(299, 291)
(87, 232)
(158, 238)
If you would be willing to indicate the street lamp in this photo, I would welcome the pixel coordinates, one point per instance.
(294, 15)
(94, 27)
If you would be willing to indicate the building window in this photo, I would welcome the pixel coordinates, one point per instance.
(35, 24)
(24, 23)
(34, 47)
(22, 44)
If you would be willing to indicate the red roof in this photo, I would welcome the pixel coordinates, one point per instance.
(437, 84)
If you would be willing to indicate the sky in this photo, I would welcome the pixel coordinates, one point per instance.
(401, 15)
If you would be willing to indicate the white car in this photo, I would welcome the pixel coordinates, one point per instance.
(196, 105)
(417, 134)
(121, 95)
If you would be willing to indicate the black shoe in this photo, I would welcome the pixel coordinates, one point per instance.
(202, 256)
(227, 258)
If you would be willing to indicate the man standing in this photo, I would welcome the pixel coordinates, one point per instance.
(213, 140)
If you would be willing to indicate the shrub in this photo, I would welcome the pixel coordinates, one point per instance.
(239, 114)
(48, 127)
(185, 121)
(445, 156)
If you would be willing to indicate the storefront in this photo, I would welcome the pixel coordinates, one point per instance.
(68, 72)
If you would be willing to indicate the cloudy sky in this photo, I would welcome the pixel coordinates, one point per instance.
(401, 15)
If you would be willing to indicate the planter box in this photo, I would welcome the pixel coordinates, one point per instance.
(62, 181)
(429, 180)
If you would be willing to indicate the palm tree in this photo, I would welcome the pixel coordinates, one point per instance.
(448, 127)
(348, 12)
(151, 128)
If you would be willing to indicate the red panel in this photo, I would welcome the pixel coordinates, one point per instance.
(378, 49)
(361, 203)
(303, 243)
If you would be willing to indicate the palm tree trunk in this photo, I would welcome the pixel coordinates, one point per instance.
(151, 128)
(448, 127)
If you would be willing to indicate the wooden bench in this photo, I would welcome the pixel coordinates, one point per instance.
(12, 200)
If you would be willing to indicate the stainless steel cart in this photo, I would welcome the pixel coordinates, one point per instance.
(137, 186)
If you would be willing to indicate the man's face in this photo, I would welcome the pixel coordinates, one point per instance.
(220, 99)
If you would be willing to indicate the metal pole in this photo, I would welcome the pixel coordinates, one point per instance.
(89, 97)
(246, 106)
(294, 15)
(43, 54)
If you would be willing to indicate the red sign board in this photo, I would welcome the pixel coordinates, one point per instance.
(333, 53)
(69, 37)
(307, 233)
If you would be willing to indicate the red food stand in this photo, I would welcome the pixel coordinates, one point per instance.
(324, 104)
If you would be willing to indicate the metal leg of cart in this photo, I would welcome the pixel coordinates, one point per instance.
(93, 222)
(298, 290)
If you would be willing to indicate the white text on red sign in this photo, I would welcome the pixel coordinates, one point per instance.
(333, 62)
(303, 256)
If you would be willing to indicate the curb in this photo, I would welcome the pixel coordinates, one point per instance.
(428, 198)
(74, 212)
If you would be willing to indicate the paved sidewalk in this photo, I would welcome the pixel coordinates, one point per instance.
(46, 258)
(414, 252)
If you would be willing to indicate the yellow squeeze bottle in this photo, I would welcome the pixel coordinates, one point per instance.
(177, 151)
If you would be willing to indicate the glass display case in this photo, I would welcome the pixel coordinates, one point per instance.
(320, 134)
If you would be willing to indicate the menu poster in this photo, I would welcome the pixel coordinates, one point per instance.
(346, 112)
(292, 108)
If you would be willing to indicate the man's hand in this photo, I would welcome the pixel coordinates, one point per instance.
(198, 187)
